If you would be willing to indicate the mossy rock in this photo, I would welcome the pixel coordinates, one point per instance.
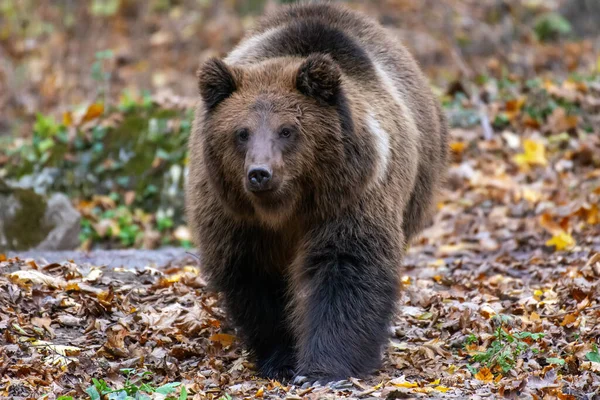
(29, 220)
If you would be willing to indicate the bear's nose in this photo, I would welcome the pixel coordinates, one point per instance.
(259, 178)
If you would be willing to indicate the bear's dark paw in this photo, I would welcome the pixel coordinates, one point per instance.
(278, 368)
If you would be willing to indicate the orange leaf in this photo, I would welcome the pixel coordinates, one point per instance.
(223, 338)
(569, 319)
(550, 225)
(458, 147)
(515, 104)
(2, 257)
(484, 375)
(93, 112)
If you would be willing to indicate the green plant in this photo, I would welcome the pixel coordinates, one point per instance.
(135, 387)
(551, 26)
(506, 348)
(593, 355)
(102, 74)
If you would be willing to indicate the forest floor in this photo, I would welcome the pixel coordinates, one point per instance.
(500, 294)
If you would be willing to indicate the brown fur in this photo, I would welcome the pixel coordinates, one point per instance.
(309, 270)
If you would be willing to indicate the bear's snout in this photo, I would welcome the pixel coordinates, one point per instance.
(260, 178)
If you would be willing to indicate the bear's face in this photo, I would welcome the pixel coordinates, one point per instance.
(263, 129)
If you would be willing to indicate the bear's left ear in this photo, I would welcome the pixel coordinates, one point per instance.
(216, 82)
(319, 77)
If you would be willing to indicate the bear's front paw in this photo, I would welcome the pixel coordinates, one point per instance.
(277, 367)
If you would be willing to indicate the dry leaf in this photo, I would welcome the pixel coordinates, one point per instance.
(93, 112)
(484, 375)
(534, 153)
(222, 338)
(30, 277)
(561, 241)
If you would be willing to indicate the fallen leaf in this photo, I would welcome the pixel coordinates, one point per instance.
(534, 153)
(484, 375)
(30, 277)
(561, 241)
(222, 338)
(93, 112)
(405, 384)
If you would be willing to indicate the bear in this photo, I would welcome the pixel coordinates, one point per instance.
(316, 152)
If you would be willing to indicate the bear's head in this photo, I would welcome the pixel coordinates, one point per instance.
(272, 133)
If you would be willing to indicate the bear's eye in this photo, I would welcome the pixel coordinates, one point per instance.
(243, 135)
(285, 133)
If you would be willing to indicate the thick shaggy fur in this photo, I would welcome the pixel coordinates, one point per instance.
(342, 116)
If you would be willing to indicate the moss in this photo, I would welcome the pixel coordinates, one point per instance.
(25, 229)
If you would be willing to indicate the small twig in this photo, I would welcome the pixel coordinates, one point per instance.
(562, 314)
(194, 255)
(357, 383)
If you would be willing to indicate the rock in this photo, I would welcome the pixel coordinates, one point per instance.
(31, 221)
(65, 220)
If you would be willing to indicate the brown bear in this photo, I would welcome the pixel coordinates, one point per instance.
(315, 155)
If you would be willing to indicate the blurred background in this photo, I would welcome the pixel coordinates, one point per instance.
(95, 98)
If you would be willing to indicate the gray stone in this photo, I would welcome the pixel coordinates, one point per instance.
(31, 221)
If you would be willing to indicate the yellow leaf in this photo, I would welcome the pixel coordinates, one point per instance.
(458, 147)
(537, 294)
(191, 270)
(534, 153)
(405, 280)
(2, 257)
(436, 382)
(260, 393)
(93, 112)
(68, 119)
(223, 338)
(484, 375)
(406, 384)
(442, 389)
(561, 241)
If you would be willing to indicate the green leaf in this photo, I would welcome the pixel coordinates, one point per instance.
(93, 393)
(593, 356)
(65, 398)
(168, 388)
(553, 360)
(551, 26)
(183, 394)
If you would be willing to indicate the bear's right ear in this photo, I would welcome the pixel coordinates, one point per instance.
(216, 82)
(319, 77)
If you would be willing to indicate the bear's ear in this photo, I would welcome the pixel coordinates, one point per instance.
(319, 77)
(216, 82)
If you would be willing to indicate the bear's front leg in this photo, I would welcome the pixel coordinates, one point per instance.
(348, 278)
(256, 302)
(255, 293)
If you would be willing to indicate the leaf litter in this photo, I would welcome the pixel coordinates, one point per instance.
(499, 295)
